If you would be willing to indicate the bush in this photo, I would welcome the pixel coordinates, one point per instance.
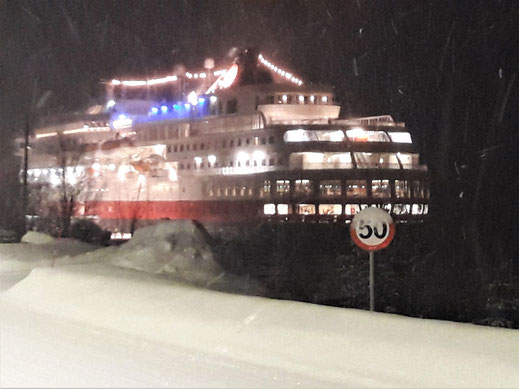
(89, 232)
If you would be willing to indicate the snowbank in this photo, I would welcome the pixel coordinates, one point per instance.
(344, 347)
(178, 247)
(35, 237)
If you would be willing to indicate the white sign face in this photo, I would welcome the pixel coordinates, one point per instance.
(372, 229)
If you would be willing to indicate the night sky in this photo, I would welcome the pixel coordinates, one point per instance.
(447, 68)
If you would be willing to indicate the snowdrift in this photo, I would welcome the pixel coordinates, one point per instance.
(178, 247)
(345, 347)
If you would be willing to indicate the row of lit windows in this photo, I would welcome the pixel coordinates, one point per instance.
(256, 140)
(248, 163)
(338, 209)
(297, 99)
(328, 188)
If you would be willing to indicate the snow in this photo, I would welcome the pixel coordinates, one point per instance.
(94, 324)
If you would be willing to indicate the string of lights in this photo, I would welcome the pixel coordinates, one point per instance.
(203, 75)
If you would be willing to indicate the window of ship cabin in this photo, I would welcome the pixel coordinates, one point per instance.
(181, 147)
(401, 209)
(330, 188)
(351, 209)
(282, 187)
(417, 209)
(402, 189)
(358, 134)
(300, 99)
(356, 188)
(330, 209)
(169, 148)
(269, 209)
(284, 209)
(247, 141)
(181, 166)
(305, 209)
(231, 143)
(263, 141)
(256, 140)
(238, 142)
(290, 99)
(303, 187)
(263, 162)
(270, 99)
(380, 189)
(232, 106)
(376, 160)
(187, 147)
(408, 160)
(202, 146)
(265, 189)
(400, 137)
(418, 189)
(271, 161)
(175, 148)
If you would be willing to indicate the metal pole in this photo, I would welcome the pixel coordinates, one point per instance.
(371, 281)
(25, 195)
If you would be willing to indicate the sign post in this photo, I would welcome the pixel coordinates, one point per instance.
(372, 229)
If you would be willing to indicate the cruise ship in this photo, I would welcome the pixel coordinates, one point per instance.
(249, 143)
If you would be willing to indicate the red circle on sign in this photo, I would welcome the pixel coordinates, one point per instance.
(379, 246)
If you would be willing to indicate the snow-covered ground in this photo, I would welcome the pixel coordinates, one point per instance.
(85, 321)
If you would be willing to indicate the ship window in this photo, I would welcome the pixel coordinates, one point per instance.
(169, 148)
(418, 189)
(231, 143)
(408, 160)
(263, 141)
(256, 140)
(265, 190)
(356, 188)
(376, 160)
(330, 209)
(202, 146)
(263, 162)
(305, 209)
(402, 189)
(239, 142)
(270, 99)
(247, 163)
(231, 163)
(303, 187)
(330, 188)
(271, 162)
(359, 134)
(380, 189)
(181, 147)
(247, 140)
(284, 209)
(289, 99)
(401, 209)
(280, 161)
(282, 187)
(271, 139)
(175, 148)
(269, 209)
(187, 147)
(195, 146)
(181, 166)
(351, 209)
(188, 166)
(400, 137)
(417, 209)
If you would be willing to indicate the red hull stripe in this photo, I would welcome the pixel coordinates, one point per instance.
(155, 210)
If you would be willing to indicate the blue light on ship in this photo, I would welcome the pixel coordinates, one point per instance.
(176, 107)
(201, 100)
(164, 108)
(154, 110)
(187, 106)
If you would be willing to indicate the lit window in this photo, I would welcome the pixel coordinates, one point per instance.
(269, 209)
(283, 187)
(356, 188)
(380, 189)
(301, 99)
(418, 189)
(400, 137)
(330, 209)
(351, 209)
(303, 187)
(330, 188)
(283, 209)
(417, 209)
(305, 209)
(284, 98)
(312, 99)
(324, 99)
(265, 190)
(401, 209)
(402, 189)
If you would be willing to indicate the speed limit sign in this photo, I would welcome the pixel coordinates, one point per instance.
(372, 229)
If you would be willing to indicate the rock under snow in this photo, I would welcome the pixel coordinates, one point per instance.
(35, 237)
(179, 247)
